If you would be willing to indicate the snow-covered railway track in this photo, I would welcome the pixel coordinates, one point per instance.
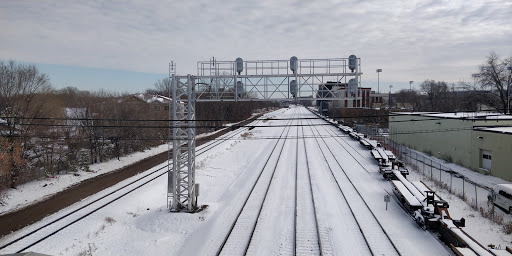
(37, 234)
(361, 161)
(307, 234)
(375, 236)
(261, 207)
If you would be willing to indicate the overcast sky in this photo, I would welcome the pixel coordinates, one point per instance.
(127, 45)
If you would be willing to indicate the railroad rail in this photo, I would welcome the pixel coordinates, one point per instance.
(39, 234)
(238, 239)
(375, 236)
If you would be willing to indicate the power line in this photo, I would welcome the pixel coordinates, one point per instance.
(229, 120)
(131, 138)
(164, 127)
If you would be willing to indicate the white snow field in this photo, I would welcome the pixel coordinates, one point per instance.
(20, 197)
(309, 193)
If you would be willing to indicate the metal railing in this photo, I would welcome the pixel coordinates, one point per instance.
(453, 181)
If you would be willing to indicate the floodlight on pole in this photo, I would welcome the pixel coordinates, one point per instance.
(410, 85)
(378, 79)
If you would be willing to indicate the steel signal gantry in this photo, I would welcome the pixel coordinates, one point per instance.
(239, 80)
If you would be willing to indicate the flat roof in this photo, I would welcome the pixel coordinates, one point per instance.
(459, 115)
(497, 129)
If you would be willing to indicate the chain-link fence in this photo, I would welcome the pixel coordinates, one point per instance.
(445, 177)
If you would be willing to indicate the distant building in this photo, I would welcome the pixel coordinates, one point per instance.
(340, 97)
(361, 99)
(479, 141)
(74, 119)
(379, 100)
(156, 102)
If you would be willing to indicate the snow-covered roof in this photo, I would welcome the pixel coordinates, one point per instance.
(152, 98)
(459, 115)
(74, 112)
(501, 129)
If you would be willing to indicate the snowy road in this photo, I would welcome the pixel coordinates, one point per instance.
(303, 189)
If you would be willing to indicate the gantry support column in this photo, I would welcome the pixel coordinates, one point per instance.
(181, 179)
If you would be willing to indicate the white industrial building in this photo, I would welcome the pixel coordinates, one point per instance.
(479, 141)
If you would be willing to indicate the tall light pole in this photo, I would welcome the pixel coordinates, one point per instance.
(378, 80)
(410, 85)
(509, 68)
(390, 86)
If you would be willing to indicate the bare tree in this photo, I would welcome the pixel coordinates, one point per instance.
(20, 103)
(410, 99)
(162, 87)
(496, 76)
(19, 85)
(11, 160)
(437, 93)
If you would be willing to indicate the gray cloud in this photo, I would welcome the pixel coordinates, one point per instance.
(410, 40)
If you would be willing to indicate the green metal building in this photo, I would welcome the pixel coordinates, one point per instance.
(478, 141)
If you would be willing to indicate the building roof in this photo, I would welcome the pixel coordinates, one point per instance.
(460, 115)
(149, 98)
(498, 129)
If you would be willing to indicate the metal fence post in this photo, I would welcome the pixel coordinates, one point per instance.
(451, 178)
(431, 166)
(423, 165)
(463, 192)
(440, 171)
(476, 197)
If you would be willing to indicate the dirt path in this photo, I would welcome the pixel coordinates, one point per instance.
(16, 220)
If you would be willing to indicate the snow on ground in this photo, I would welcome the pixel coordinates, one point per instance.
(24, 194)
(140, 223)
(361, 169)
(479, 178)
(483, 230)
(476, 195)
(38, 190)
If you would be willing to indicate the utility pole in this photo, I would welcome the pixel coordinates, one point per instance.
(410, 85)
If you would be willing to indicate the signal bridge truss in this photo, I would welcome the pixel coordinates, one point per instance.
(273, 79)
(261, 80)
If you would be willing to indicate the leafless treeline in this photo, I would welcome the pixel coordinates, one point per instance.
(45, 132)
(490, 90)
